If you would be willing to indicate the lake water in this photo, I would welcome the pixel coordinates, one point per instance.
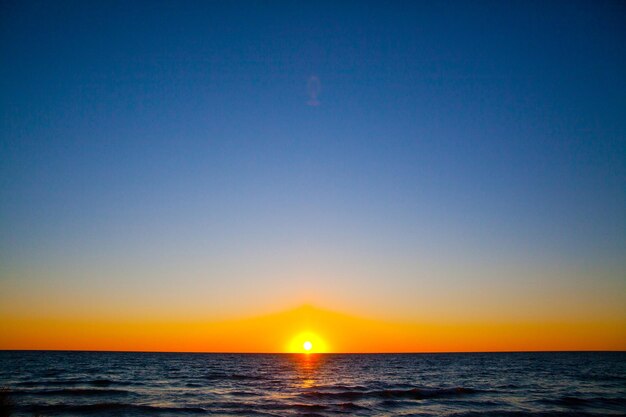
(174, 384)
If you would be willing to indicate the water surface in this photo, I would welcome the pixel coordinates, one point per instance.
(174, 384)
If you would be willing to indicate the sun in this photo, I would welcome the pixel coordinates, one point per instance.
(307, 346)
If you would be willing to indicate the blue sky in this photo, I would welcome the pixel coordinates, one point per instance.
(169, 146)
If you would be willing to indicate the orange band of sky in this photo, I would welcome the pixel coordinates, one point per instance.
(329, 332)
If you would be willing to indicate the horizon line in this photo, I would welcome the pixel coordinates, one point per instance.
(319, 353)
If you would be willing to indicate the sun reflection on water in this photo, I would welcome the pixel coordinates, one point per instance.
(307, 367)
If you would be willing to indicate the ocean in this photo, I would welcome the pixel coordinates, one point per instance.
(48, 383)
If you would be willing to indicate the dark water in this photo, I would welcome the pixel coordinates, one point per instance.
(172, 384)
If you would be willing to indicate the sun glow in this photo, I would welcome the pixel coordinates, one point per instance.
(307, 342)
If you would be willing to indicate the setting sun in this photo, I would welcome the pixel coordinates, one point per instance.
(307, 346)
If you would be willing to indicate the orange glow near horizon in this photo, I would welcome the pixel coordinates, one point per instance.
(326, 331)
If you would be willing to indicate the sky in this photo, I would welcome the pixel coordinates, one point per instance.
(461, 178)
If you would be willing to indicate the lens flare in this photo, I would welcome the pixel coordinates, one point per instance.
(313, 87)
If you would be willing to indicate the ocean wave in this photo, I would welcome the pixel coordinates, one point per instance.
(51, 373)
(27, 384)
(411, 393)
(571, 401)
(243, 394)
(507, 413)
(392, 404)
(100, 383)
(309, 407)
(349, 406)
(73, 392)
(211, 376)
(113, 407)
(245, 409)
(342, 387)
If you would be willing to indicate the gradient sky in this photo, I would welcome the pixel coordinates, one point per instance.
(466, 164)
